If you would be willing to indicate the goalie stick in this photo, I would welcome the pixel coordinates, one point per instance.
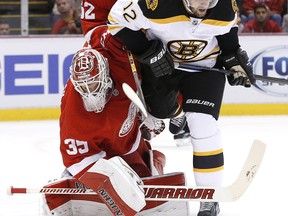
(192, 68)
(134, 98)
(128, 92)
(181, 193)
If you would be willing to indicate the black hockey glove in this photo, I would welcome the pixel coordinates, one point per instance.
(239, 63)
(158, 59)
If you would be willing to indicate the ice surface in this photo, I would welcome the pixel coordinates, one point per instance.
(30, 157)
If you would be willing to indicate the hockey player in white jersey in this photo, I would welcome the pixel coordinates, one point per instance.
(197, 32)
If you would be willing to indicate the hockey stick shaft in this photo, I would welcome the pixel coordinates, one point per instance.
(182, 193)
(137, 99)
(136, 78)
(152, 192)
(192, 68)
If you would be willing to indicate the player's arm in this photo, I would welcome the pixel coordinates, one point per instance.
(235, 58)
(126, 22)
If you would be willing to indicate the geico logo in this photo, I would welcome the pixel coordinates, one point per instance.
(200, 102)
(271, 62)
(34, 74)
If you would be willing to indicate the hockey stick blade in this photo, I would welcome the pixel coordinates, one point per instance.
(134, 98)
(181, 193)
(247, 174)
(192, 68)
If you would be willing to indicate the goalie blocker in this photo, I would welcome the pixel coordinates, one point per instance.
(91, 204)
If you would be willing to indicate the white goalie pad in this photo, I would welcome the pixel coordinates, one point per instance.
(79, 208)
(72, 204)
(170, 208)
(117, 185)
(89, 205)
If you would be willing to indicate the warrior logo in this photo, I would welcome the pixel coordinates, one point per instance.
(186, 50)
(179, 193)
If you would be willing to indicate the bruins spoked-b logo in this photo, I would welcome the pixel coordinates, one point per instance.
(186, 50)
(152, 4)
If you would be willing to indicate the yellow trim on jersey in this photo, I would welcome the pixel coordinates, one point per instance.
(216, 22)
(111, 19)
(114, 27)
(208, 170)
(180, 18)
(226, 110)
(209, 153)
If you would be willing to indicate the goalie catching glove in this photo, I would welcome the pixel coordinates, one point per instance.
(157, 58)
(239, 63)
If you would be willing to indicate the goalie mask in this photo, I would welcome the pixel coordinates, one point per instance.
(90, 77)
(199, 7)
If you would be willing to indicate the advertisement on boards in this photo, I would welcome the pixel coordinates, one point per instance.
(269, 57)
(33, 71)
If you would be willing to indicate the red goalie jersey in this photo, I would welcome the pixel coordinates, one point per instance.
(88, 136)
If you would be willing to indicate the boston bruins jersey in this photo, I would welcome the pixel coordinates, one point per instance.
(189, 39)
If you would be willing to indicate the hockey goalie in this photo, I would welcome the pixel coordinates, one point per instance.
(101, 142)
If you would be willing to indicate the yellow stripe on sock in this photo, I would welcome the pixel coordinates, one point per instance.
(209, 153)
(208, 170)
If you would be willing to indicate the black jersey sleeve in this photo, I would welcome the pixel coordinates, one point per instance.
(135, 41)
(229, 42)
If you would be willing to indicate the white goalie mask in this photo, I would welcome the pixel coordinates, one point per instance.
(199, 7)
(90, 77)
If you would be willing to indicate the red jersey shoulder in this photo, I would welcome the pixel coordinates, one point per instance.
(95, 13)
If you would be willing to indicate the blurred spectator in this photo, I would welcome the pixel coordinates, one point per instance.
(285, 23)
(4, 27)
(241, 11)
(261, 22)
(239, 21)
(68, 21)
(275, 9)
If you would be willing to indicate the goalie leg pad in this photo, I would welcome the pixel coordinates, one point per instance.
(137, 160)
(157, 162)
(71, 204)
(117, 185)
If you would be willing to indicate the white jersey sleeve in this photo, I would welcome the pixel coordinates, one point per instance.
(126, 14)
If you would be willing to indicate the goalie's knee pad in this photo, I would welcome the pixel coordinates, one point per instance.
(207, 145)
(146, 162)
(117, 185)
(157, 162)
